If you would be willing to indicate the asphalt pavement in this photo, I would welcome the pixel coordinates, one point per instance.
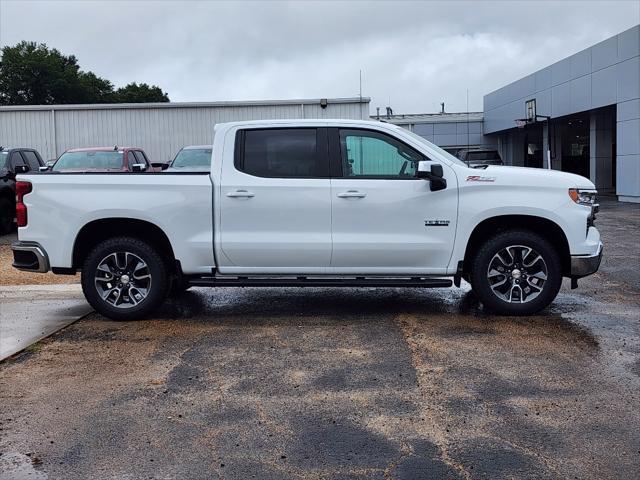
(340, 383)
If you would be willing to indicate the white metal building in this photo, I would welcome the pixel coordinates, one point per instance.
(161, 129)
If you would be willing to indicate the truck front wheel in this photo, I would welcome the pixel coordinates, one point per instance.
(516, 272)
(124, 278)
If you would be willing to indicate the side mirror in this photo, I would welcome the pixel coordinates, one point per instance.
(432, 172)
(6, 174)
(43, 169)
(138, 167)
(21, 169)
(160, 165)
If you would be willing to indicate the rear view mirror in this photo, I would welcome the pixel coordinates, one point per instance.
(44, 169)
(432, 172)
(21, 169)
(138, 167)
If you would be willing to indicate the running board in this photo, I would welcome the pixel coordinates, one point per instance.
(319, 282)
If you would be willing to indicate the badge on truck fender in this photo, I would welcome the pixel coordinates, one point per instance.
(480, 178)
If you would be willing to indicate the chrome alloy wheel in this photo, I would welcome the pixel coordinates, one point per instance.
(123, 279)
(517, 274)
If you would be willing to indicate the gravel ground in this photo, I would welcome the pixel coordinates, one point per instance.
(11, 276)
(340, 383)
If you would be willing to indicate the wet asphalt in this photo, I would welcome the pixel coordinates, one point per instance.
(340, 383)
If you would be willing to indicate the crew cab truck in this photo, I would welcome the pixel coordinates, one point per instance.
(312, 203)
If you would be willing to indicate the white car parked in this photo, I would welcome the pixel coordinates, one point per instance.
(312, 203)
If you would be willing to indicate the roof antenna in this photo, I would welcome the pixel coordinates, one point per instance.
(115, 148)
(468, 119)
(442, 105)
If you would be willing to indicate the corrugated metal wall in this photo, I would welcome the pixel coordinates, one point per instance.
(160, 129)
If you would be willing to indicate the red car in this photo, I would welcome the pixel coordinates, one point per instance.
(105, 159)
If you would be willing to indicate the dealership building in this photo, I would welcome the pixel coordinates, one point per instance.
(581, 115)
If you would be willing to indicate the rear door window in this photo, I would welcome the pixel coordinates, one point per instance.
(283, 152)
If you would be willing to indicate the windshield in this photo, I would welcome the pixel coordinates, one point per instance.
(442, 152)
(89, 161)
(192, 157)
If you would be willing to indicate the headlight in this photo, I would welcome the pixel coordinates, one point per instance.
(583, 197)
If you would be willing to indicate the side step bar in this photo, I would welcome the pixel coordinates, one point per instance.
(319, 282)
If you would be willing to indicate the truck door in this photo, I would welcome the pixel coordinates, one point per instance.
(274, 202)
(386, 221)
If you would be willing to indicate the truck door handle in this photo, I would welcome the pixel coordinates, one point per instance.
(240, 194)
(352, 194)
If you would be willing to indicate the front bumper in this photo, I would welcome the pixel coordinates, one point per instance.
(583, 265)
(30, 257)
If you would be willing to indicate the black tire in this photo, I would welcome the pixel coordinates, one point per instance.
(539, 299)
(155, 267)
(179, 285)
(7, 214)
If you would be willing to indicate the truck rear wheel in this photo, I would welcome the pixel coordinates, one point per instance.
(7, 213)
(124, 278)
(516, 272)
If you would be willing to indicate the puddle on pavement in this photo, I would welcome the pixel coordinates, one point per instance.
(17, 466)
(595, 327)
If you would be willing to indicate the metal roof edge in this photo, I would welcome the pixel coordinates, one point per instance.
(241, 103)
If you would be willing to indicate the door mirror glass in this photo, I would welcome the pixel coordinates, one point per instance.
(21, 169)
(138, 167)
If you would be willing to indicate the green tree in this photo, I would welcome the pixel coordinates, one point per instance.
(142, 93)
(34, 74)
(95, 89)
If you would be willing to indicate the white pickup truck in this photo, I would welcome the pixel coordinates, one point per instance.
(311, 203)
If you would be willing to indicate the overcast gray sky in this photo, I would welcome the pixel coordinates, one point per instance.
(413, 54)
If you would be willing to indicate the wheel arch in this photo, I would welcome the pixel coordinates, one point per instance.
(540, 225)
(98, 230)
